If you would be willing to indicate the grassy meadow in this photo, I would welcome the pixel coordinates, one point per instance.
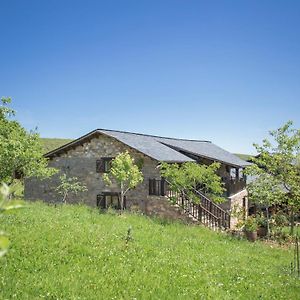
(75, 252)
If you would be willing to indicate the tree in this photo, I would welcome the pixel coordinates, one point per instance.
(191, 176)
(7, 204)
(265, 190)
(69, 185)
(125, 173)
(20, 151)
(278, 158)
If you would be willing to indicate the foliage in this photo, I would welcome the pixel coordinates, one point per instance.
(6, 204)
(69, 185)
(281, 236)
(125, 173)
(261, 220)
(280, 219)
(129, 237)
(81, 254)
(239, 213)
(277, 159)
(250, 224)
(190, 177)
(278, 223)
(265, 190)
(20, 151)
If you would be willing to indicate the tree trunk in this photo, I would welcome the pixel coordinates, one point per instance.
(65, 198)
(292, 221)
(122, 197)
(268, 223)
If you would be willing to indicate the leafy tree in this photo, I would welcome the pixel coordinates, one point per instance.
(125, 173)
(278, 158)
(69, 185)
(20, 151)
(7, 204)
(265, 190)
(190, 177)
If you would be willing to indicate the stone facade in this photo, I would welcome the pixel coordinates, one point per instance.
(80, 162)
(236, 202)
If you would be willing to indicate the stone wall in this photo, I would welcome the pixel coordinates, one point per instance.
(81, 163)
(236, 203)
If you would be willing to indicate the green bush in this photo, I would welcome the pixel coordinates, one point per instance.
(250, 224)
(280, 220)
(261, 220)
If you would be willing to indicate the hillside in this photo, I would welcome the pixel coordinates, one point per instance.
(53, 143)
(73, 252)
(245, 157)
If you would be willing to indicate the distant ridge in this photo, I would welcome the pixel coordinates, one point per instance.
(50, 144)
(245, 157)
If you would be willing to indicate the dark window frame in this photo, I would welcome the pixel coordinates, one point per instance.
(102, 200)
(103, 164)
(157, 187)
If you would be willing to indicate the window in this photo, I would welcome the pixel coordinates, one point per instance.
(109, 199)
(157, 187)
(241, 175)
(103, 165)
(233, 173)
(244, 202)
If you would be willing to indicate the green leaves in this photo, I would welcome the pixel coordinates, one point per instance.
(266, 190)
(5, 111)
(6, 204)
(69, 185)
(20, 151)
(277, 166)
(192, 176)
(123, 170)
(277, 170)
(125, 173)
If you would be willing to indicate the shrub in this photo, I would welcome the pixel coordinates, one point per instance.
(250, 224)
(280, 219)
(261, 220)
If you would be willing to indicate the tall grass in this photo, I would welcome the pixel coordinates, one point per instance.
(73, 252)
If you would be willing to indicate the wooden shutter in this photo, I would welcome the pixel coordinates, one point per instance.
(162, 187)
(151, 190)
(101, 203)
(100, 165)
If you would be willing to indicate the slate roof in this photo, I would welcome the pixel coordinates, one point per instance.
(163, 148)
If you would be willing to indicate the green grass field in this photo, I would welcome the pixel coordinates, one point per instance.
(73, 252)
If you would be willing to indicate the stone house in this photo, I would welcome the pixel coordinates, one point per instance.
(89, 156)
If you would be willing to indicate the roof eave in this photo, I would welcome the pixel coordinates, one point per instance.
(70, 144)
(208, 157)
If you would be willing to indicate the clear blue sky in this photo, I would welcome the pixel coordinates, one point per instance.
(226, 71)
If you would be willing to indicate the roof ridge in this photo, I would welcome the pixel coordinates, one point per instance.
(155, 136)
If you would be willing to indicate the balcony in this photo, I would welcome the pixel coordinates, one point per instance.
(234, 185)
